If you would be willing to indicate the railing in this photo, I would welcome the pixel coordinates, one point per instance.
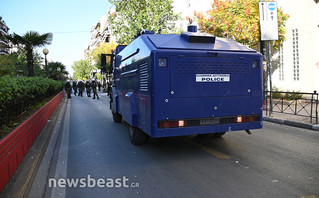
(293, 103)
(15, 145)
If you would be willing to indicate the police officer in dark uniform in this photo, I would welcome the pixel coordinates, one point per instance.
(99, 85)
(81, 88)
(74, 85)
(88, 88)
(68, 88)
(94, 85)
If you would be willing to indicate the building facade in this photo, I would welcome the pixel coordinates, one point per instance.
(297, 67)
(296, 63)
(100, 33)
(4, 44)
(186, 9)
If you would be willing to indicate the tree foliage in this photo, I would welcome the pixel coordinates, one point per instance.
(5, 66)
(82, 69)
(56, 71)
(18, 94)
(104, 48)
(16, 64)
(133, 16)
(238, 20)
(28, 42)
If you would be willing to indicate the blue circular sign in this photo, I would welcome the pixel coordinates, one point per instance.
(271, 6)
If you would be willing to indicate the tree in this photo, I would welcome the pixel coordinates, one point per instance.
(5, 68)
(56, 71)
(133, 16)
(238, 20)
(28, 42)
(105, 48)
(82, 69)
(15, 64)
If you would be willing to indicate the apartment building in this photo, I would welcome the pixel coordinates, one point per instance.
(4, 44)
(100, 33)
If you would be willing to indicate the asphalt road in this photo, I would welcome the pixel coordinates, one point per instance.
(94, 156)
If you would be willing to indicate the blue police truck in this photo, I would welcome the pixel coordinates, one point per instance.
(183, 84)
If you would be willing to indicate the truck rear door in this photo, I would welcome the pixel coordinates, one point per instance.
(218, 76)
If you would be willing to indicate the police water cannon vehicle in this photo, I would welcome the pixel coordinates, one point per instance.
(183, 84)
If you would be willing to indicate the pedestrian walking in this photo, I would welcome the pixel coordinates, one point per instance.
(88, 88)
(94, 85)
(81, 88)
(68, 89)
(74, 85)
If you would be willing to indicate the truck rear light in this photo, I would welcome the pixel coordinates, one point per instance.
(165, 124)
(240, 119)
(172, 124)
(181, 123)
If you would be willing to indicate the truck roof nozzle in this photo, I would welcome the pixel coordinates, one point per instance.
(192, 28)
(192, 36)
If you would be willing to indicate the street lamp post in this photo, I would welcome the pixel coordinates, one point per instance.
(45, 52)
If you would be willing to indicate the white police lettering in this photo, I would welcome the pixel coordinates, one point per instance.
(212, 77)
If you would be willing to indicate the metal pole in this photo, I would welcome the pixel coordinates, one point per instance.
(269, 73)
(46, 63)
(266, 103)
(263, 50)
(315, 92)
(312, 102)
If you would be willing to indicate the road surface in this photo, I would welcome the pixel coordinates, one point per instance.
(93, 157)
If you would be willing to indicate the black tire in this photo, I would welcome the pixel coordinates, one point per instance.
(211, 135)
(217, 135)
(205, 135)
(117, 117)
(137, 136)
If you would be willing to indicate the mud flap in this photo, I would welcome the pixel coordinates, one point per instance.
(115, 101)
(133, 106)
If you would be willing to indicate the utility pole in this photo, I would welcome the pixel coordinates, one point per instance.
(269, 32)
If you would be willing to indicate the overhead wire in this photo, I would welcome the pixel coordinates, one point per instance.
(70, 32)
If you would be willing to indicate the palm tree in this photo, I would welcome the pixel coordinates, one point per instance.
(28, 42)
(56, 71)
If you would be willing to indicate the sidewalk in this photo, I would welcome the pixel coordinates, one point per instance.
(291, 120)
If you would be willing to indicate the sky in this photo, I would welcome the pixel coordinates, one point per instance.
(70, 21)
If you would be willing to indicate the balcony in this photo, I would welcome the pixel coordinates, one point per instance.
(4, 51)
(4, 44)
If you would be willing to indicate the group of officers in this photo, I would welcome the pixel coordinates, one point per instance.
(80, 86)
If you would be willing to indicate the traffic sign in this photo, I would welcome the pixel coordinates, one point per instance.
(268, 20)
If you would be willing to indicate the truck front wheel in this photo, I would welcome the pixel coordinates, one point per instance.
(137, 136)
(117, 117)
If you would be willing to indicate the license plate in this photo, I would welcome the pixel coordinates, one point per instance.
(209, 121)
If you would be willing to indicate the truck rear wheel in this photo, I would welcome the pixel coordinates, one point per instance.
(137, 136)
(117, 117)
(211, 135)
(219, 134)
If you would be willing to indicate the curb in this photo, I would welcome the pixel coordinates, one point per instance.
(38, 185)
(292, 123)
